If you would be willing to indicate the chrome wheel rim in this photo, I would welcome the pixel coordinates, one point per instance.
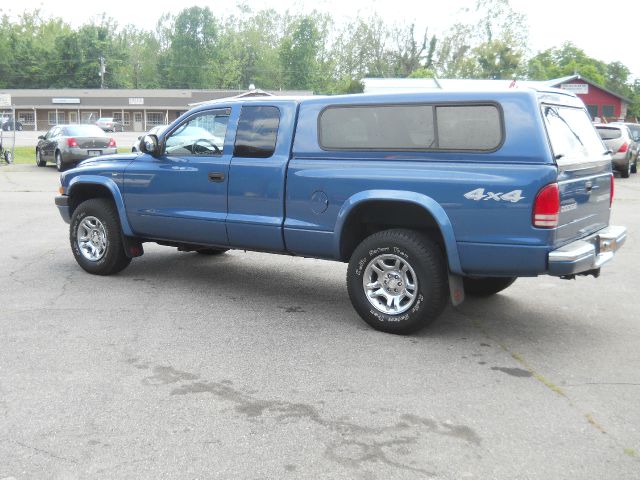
(59, 160)
(92, 239)
(390, 284)
(38, 157)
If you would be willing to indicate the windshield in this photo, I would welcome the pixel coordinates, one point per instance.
(609, 133)
(572, 135)
(84, 131)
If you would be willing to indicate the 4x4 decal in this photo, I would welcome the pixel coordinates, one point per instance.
(478, 194)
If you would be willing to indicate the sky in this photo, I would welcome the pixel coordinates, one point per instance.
(609, 34)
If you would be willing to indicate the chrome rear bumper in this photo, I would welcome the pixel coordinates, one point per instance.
(587, 254)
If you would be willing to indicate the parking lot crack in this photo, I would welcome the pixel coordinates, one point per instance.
(587, 416)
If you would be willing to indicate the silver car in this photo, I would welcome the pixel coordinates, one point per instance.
(623, 146)
(66, 145)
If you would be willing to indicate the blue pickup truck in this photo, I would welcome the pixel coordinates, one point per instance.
(428, 196)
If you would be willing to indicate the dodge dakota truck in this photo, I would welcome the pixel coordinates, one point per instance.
(427, 196)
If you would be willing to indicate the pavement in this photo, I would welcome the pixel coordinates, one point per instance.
(255, 366)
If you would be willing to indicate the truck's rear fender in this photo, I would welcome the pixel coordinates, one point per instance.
(83, 187)
(422, 212)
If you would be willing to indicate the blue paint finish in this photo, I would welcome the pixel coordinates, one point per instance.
(487, 259)
(82, 176)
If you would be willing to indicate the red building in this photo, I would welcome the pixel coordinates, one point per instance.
(600, 102)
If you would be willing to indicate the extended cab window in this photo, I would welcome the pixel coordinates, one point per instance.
(410, 127)
(202, 135)
(257, 132)
(571, 133)
(469, 127)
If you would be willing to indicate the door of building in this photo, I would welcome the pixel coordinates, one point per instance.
(137, 122)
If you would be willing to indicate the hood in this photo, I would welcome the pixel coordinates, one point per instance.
(118, 160)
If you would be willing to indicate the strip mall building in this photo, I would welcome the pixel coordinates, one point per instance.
(137, 110)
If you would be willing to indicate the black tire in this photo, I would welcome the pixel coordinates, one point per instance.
(212, 251)
(626, 171)
(634, 167)
(425, 259)
(114, 258)
(19, 127)
(59, 162)
(40, 161)
(486, 286)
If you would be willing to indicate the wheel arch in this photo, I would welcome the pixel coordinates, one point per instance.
(373, 210)
(85, 187)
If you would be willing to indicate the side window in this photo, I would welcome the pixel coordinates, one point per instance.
(393, 127)
(257, 132)
(411, 127)
(469, 127)
(202, 135)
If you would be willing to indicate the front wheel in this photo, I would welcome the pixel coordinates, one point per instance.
(486, 286)
(59, 163)
(96, 238)
(397, 281)
(634, 167)
(40, 161)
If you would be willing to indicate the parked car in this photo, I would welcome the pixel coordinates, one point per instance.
(624, 149)
(9, 123)
(67, 145)
(157, 130)
(387, 183)
(109, 124)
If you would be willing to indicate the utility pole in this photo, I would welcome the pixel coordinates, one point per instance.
(103, 69)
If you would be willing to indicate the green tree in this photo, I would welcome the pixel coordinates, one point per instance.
(299, 50)
(564, 61)
(191, 51)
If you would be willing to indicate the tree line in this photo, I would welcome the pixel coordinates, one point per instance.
(283, 51)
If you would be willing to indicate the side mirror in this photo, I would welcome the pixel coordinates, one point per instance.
(150, 145)
(40, 137)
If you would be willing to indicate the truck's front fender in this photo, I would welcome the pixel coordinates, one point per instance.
(110, 185)
(427, 203)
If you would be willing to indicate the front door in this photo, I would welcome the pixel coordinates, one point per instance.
(181, 195)
(137, 122)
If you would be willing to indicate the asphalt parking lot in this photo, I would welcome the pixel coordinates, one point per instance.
(255, 366)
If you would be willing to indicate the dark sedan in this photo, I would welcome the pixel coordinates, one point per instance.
(66, 145)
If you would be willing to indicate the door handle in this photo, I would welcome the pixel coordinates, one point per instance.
(216, 177)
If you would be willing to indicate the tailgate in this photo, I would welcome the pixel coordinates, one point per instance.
(584, 172)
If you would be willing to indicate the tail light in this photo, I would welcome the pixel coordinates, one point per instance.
(623, 148)
(71, 142)
(546, 207)
(611, 190)
(112, 142)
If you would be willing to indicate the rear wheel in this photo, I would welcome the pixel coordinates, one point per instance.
(486, 286)
(626, 171)
(397, 281)
(634, 167)
(96, 238)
